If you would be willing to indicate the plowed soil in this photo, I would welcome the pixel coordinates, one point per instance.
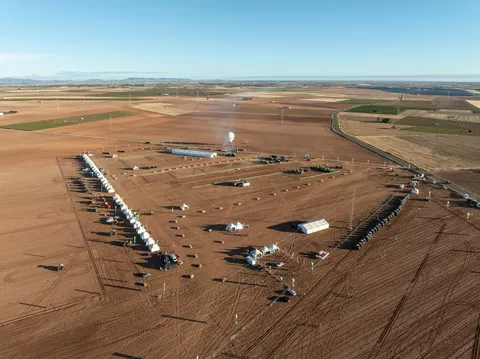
(411, 292)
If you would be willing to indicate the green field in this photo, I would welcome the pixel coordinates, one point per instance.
(391, 107)
(66, 121)
(379, 110)
(442, 130)
(363, 101)
(433, 125)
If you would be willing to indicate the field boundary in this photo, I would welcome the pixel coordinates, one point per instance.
(335, 126)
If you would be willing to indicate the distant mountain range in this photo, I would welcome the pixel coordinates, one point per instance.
(27, 81)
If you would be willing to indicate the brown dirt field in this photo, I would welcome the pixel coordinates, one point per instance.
(410, 292)
(163, 108)
(439, 153)
(429, 152)
(466, 178)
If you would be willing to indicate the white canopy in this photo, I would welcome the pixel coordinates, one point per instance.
(145, 235)
(149, 241)
(313, 226)
(184, 207)
(234, 227)
(153, 247)
(140, 230)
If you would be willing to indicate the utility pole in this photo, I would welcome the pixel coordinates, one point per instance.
(350, 224)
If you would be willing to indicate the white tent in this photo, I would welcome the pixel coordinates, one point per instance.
(140, 230)
(133, 220)
(251, 260)
(256, 253)
(313, 226)
(153, 247)
(184, 207)
(234, 227)
(415, 191)
(149, 241)
(264, 250)
(182, 152)
(273, 248)
(144, 236)
(137, 225)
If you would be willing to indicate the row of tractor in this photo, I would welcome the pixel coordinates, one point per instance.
(381, 223)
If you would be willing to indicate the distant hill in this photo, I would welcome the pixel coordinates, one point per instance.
(10, 80)
(26, 81)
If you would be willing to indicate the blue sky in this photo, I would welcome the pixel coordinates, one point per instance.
(227, 39)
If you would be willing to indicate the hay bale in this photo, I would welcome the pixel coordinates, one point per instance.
(239, 203)
(274, 194)
(204, 211)
(258, 198)
(209, 229)
(195, 255)
(308, 184)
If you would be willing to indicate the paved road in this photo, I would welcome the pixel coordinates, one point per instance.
(452, 186)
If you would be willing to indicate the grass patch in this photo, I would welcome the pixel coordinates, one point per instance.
(443, 130)
(433, 125)
(66, 121)
(380, 110)
(362, 101)
(392, 107)
(420, 90)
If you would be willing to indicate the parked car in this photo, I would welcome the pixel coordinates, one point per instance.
(279, 264)
(291, 292)
(321, 255)
(144, 275)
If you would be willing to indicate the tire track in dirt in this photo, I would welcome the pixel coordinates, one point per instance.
(407, 293)
(294, 306)
(87, 244)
